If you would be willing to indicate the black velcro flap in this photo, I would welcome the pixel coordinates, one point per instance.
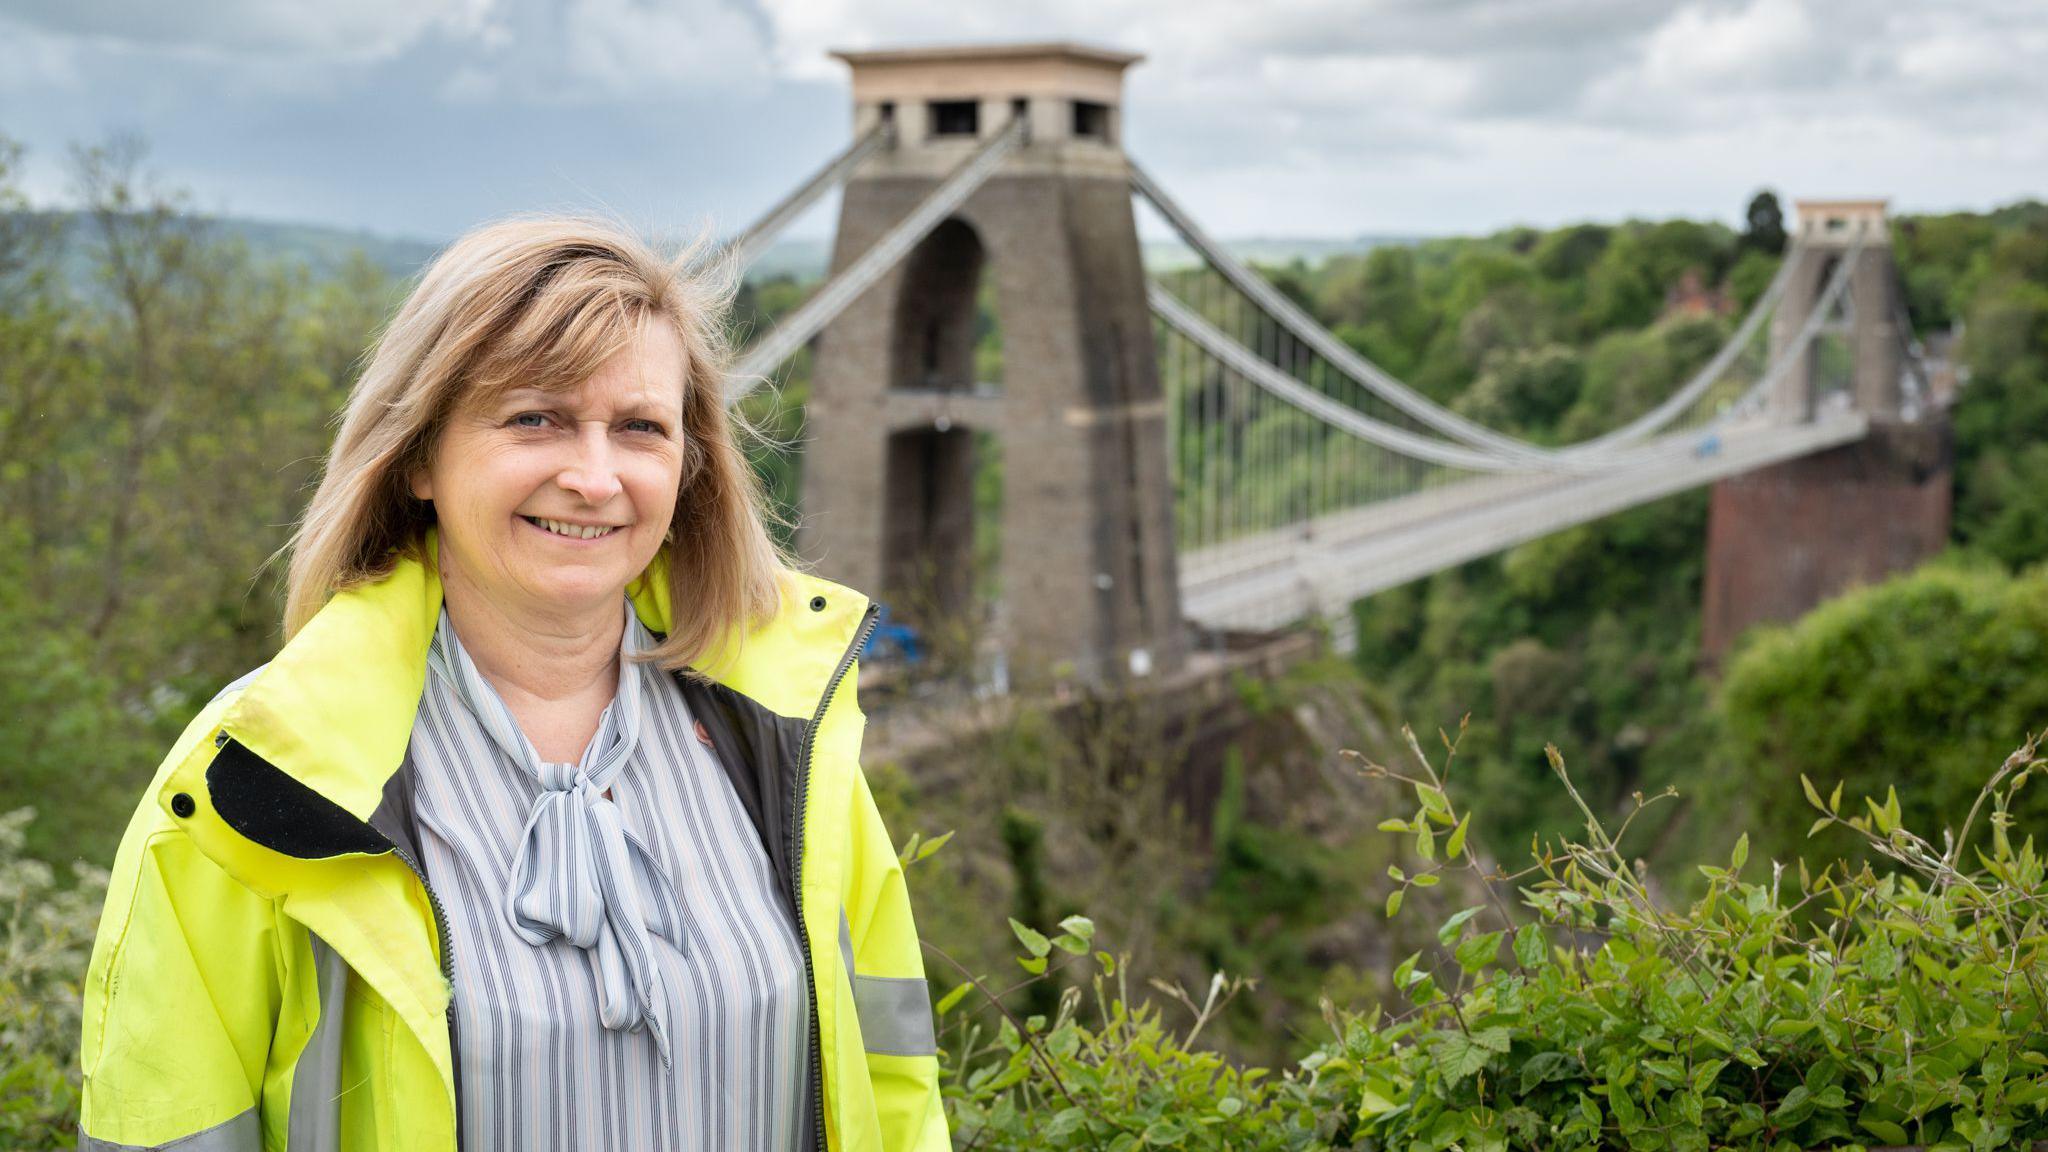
(260, 801)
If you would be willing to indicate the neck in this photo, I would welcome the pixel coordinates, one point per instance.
(536, 656)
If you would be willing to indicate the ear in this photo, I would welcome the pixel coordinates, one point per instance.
(421, 482)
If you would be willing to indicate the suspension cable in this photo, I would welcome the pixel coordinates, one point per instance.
(1384, 385)
(846, 287)
(747, 247)
(1255, 369)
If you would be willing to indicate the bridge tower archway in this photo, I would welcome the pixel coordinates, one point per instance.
(1782, 539)
(940, 529)
(1827, 232)
(928, 527)
(939, 324)
(1088, 582)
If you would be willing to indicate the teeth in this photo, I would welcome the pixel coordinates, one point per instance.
(575, 531)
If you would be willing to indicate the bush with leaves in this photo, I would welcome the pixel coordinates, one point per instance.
(1107, 1071)
(46, 931)
(1916, 683)
(1840, 1008)
(1786, 1009)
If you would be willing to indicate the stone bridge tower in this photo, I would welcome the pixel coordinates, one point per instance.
(1782, 539)
(1826, 233)
(1086, 583)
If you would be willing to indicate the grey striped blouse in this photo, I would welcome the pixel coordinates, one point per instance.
(626, 974)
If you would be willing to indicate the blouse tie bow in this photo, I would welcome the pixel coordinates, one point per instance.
(578, 872)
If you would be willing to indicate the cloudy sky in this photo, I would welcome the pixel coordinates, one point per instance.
(1321, 118)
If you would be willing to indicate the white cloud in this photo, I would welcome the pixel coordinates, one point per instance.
(1957, 58)
(1716, 65)
(594, 52)
(1287, 115)
(33, 60)
(355, 28)
(1959, 70)
(522, 50)
(628, 47)
(1403, 86)
(1703, 45)
(806, 30)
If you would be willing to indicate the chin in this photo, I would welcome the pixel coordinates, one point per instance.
(581, 588)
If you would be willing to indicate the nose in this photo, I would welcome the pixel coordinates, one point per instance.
(590, 472)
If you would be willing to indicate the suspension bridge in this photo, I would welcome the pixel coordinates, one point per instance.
(1190, 453)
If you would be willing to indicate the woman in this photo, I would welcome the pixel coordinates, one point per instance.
(545, 828)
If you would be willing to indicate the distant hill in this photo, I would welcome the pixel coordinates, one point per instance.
(322, 249)
(1170, 255)
(798, 258)
(806, 259)
(325, 249)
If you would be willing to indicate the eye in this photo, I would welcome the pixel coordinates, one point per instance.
(647, 426)
(530, 420)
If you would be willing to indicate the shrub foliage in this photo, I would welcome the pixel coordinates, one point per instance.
(1784, 1009)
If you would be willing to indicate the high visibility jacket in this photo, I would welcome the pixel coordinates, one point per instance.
(271, 971)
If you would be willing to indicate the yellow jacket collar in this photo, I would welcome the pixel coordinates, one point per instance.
(335, 708)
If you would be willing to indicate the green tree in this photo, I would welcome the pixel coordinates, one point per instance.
(2002, 415)
(1764, 220)
(1917, 682)
(1375, 304)
(159, 427)
(1569, 253)
(1750, 275)
(1524, 392)
(1622, 291)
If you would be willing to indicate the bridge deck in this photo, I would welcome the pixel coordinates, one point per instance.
(1320, 566)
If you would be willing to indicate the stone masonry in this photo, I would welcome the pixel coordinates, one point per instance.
(1782, 539)
(1088, 581)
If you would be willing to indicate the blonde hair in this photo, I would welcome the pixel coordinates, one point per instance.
(543, 301)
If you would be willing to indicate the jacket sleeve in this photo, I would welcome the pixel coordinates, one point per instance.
(890, 994)
(181, 997)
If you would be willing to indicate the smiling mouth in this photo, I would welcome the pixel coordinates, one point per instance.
(571, 531)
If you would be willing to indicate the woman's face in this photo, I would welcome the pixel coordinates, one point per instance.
(552, 503)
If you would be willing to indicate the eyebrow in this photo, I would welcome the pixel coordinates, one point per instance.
(527, 393)
(636, 408)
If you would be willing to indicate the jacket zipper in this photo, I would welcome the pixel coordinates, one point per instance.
(803, 787)
(440, 926)
(869, 620)
(447, 950)
(444, 945)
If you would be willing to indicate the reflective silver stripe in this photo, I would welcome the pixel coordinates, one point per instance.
(846, 945)
(895, 1011)
(316, 1080)
(895, 1015)
(243, 1133)
(240, 682)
